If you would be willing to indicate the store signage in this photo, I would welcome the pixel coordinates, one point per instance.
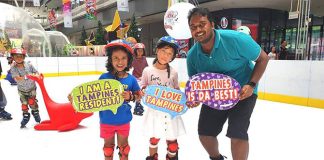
(293, 15)
(224, 22)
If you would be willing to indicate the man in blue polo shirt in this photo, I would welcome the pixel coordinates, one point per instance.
(231, 53)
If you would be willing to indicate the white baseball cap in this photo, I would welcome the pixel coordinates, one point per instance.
(244, 29)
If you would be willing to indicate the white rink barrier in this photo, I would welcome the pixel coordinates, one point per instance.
(289, 81)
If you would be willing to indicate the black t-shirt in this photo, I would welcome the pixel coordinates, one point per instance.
(283, 53)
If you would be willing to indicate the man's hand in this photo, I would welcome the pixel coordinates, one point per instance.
(246, 92)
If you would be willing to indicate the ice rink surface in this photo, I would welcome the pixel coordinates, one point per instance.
(278, 131)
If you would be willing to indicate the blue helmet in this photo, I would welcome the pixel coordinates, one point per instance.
(171, 42)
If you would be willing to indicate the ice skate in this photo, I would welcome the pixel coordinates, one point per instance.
(153, 157)
(36, 116)
(139, 109)
(5, 115)
(26, 117)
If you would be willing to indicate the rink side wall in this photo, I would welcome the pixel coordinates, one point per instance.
(294, 82)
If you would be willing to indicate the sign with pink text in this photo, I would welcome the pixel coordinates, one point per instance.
(215, 90)
(165, 99)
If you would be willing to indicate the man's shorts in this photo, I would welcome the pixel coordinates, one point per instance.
(108, 131)
(211, 120)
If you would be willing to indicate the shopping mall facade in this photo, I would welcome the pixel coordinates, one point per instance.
(269, 22)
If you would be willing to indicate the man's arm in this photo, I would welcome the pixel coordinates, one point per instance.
(259, 68)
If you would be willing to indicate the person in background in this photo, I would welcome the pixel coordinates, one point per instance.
(3, 114)
(92, 52)
(139, 64)
(244, 29)
(26, 87)
(273, 53)
(283, 54)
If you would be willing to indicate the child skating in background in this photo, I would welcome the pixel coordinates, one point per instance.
(3, 102)
(9, 76)
(26, 87)
(120, 57)
(139, 64)
(159, 124)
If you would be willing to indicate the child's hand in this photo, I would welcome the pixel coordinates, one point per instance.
(36, 74)
(126, 95)
(33, 75)
(142, 92)
(70, 98)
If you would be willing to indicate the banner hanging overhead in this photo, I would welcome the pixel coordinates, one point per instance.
(67, 13)
(122, 5)
(36, 3)
(52, 19)
(91, 9)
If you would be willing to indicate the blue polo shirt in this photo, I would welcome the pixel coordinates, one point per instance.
(124, 114)
(232, 55)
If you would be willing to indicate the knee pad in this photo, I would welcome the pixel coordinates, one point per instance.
(124, 151)
(32, 101)
(154, 142)
(109, 151)
(24, 107)
(172, 147)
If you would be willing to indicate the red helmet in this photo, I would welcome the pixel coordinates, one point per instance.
(139, 45)
(121, 43)
(18, 51)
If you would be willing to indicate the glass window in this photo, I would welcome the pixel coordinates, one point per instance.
(276, 35)
(322, 49)
(315, 43)
(265, 45)
(291, 34)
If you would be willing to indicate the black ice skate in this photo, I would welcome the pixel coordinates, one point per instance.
(35, 113)
(5, 115)
(172, 158)
(138, 110)
(26, 117)
(154, 157)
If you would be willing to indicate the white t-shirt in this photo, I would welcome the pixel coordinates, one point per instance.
(272, 56)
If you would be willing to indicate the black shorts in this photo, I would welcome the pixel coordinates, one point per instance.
(211, 120)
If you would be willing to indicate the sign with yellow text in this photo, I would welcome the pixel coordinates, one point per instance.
(98, 95)
(165, 99)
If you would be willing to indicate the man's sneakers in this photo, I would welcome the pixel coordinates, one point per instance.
(221, 157)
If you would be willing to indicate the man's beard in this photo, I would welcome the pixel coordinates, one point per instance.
(207, 39)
